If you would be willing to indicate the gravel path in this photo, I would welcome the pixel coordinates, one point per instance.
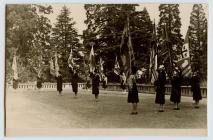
(44, 109)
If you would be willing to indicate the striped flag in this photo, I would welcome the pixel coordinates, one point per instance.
(56, 65)
(52, 69)
(116, 67)
(15, 68)
(70, 60)
(92, 60)
(153, 57)
(184, 62)
(126, 50)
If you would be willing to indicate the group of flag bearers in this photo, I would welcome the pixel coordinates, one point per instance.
(128, 77)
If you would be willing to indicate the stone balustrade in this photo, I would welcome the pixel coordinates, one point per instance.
(142, 88)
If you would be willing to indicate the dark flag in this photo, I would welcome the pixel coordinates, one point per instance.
(126, 50)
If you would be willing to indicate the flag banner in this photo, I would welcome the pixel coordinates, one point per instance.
(184, 61)
(70, 60)
(116, 67)
(126, 50)
(101, 65)
(153, 57)
(15, 68)
(56, 65)
(92, 60)
(52, 70)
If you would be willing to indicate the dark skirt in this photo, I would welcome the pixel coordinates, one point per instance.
(160, 98)
(197, 94)
(95, 90)
(75, 87)
(133, 95)
(175, 95)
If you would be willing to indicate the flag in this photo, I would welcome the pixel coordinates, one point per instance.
(70, 60)
(116, 67)
(153, 57)
(92, 60)
(15, 68)
(56, 65)
(126, 50)
(52, 70)
(101, 65)
(184, 62)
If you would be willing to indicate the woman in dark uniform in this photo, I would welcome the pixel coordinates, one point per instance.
(176, 89)
(59, 83)
(74, 80)
(39, 82)
(15, 83)
(133, 91)
(195, 88)
(95, 84)
(160, 88)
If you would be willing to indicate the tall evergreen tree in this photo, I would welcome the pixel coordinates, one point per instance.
(64, 39)
(198, 40)
(106, 31)
(170, 24)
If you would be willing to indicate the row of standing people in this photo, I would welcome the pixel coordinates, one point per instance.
(132, 87)
(160, 89)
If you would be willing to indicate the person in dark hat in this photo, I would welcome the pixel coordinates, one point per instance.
(160, 88)
(176, 89)
(133, 91)
(74, 80)
(195, 88)
(95, 83)
(59, 83)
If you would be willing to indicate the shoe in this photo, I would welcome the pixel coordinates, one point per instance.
(196, 107)
(161, 111)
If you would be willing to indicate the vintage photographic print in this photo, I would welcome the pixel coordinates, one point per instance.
(106, 69)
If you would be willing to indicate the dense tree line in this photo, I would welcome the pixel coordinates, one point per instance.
(31, 36)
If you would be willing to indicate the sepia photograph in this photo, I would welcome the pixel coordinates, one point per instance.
(106, 69)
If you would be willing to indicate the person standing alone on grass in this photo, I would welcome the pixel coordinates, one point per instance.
(74, 81)
(133, 91)
(95, 84)
(176, 89)
(160, 88)
(195, 88)
(59, 83)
